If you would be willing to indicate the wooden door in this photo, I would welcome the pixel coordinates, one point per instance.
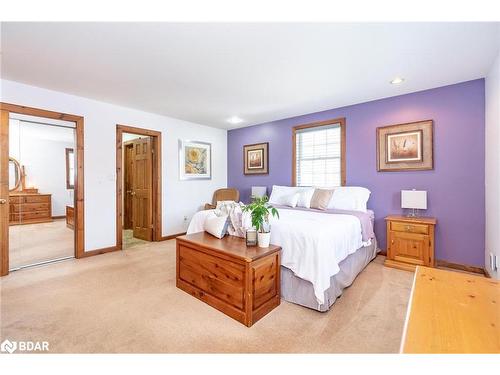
(410, 248)
(142, 189)
(4, 192)
(128, 166)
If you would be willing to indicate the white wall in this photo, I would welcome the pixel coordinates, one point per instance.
(180, 198)
(42, 151)
(492, 166)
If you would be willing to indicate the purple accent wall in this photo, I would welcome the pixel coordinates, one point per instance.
(455, 186)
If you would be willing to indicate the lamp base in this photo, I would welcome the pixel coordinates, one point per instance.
(413, 213)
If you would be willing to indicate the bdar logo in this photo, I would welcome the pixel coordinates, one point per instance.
(8, 346)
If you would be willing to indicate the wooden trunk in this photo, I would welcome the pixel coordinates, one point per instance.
(242, 282)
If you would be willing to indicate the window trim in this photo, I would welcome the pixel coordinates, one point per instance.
(68, 185)
(317, 124)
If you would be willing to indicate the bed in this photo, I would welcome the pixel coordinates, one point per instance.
(322, 251)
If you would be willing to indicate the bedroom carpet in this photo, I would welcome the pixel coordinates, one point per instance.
(127, 301)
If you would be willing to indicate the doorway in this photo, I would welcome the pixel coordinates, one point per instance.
(38, 184)
(138, 186)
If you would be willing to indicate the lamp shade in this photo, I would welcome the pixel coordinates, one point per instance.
(414, 199)
(259, 191)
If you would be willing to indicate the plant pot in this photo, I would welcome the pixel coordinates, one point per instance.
(263, 239)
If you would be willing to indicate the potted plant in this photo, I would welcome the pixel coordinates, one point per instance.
(260, 210)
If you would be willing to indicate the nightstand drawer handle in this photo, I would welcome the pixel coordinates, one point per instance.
(408, 228)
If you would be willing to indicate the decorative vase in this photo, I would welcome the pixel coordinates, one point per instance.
(263, 239)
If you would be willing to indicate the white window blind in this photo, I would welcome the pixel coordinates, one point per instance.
(318, 156)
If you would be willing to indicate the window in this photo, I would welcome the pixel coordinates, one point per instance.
(319, 154)
(70, 168)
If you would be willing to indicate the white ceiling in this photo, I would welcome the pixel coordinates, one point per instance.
(208, 72)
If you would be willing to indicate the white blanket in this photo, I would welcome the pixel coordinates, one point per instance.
(313, 243)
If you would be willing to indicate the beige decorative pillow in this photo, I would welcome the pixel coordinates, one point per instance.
(321, 198)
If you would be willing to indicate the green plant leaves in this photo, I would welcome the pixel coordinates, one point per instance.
(260, 210)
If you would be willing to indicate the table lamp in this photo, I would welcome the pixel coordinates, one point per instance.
(258, 191)
(414, 200)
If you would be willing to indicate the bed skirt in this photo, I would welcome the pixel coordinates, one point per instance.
(300, 292)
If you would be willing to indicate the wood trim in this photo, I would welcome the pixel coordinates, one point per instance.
(59, 217)
(157, 180)
(67, 152)
(461, 267)
(104, 250)
(172, 236)
(4, 192)
(6, 108)
(343, 165)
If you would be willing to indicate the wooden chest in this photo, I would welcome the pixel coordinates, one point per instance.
(242, 282)
(28, 208)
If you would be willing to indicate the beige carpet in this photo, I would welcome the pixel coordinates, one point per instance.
(34, 243)
(127, 302)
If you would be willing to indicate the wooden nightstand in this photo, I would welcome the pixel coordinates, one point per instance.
(410, 242)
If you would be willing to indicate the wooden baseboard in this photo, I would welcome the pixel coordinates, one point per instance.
(104, 250)
(172, 236)
(59, 217)
(487, 274)
(461, 267)
(400, 265)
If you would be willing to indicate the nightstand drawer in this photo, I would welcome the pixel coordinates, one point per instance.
(409, 228)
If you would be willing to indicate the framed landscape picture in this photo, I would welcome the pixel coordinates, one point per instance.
(256, 158)
(195, 160)
(405, 147)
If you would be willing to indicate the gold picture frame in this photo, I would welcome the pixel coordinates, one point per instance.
(405, 147)
(256, 158)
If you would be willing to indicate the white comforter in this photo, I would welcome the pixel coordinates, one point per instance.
(313, 243)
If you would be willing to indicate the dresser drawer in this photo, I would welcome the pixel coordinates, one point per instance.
(27, 216)
(16, 199)
(410, 228)
(215, 276)
(29, 207)
(37, 199)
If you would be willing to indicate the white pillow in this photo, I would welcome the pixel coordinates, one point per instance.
(352, 198)
(290, 200)
(216, 226)
(280, 194)
(305, 197)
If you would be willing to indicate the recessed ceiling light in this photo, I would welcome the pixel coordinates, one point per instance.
(234, 120)
(397, 81)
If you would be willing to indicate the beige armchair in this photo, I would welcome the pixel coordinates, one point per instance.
(228, 194)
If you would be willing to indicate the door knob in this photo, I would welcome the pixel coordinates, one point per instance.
(132, 193)
(3, 201)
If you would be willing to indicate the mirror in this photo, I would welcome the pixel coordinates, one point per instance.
(14, 174)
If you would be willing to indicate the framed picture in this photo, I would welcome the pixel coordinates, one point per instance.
(256, 158)
(195, 160)
(405, 147)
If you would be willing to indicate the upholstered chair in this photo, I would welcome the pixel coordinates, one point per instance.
(227, 194)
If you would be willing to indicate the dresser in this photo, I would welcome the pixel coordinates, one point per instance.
(410, 242)
(29, 208)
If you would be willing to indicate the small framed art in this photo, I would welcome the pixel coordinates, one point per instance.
(195, 160)
(405, 147)
(256, 158)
